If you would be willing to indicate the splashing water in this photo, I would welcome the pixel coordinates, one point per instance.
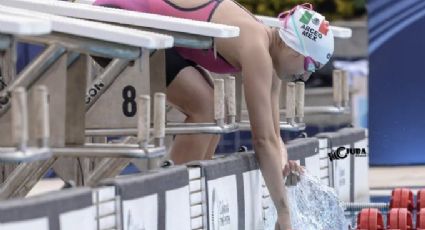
(313, 206)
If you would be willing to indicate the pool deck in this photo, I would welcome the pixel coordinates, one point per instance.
(383, 179)
(389, 177)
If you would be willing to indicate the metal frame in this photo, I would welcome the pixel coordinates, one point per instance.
(110, 150)
(25, 176)
(172, 129)
(8, 59)
(294, 127)
(32, 73)
(314, 110)
(85, 45)
(14, 155)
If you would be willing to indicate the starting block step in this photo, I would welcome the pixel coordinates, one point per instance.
(21, 25)
(84, 11)
(91, 29)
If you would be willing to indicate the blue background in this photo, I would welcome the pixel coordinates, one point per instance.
(396, 81)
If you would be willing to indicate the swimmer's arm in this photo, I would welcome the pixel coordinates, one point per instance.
(257, 72)
(275, 95)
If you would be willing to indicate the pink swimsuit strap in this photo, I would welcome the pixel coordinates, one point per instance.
(200, 13)
(165, 7)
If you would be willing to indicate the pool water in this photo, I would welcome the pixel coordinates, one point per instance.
(313, 207)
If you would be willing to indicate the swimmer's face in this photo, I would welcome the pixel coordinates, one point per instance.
(289, 65)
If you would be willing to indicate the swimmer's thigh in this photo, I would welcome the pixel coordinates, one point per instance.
(188, 89)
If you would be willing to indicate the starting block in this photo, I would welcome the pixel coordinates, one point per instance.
(24, 25)
(112, 15)
(51, 68)
(340, 90)
(37, 146)
(102, 91)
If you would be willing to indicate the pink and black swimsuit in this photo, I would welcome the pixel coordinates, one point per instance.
(204, 12)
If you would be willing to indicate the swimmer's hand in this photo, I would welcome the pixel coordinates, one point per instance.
(291, 173)
(292, 166)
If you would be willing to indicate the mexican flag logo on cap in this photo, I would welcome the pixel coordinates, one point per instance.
(307, 32)
(306, 17)
(324, 27)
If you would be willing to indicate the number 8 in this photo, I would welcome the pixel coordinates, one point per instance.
(129, 106)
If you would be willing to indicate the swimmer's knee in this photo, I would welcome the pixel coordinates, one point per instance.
(201, 114)
(202, 108)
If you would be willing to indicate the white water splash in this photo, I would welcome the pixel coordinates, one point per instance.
(313, 206)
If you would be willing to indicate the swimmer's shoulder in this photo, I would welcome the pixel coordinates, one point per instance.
(230, 12)
(233, 14)
(252, 40)
(253, 34)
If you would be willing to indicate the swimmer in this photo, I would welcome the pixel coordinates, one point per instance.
(265, 56)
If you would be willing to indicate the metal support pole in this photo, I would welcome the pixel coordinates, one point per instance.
(31, 73)
(230, 94)
(40, 108)
(144, 120)
(337, 87)
(159, 119)
(219, 101)
(19, 108)
(299, 102)
(290, 103)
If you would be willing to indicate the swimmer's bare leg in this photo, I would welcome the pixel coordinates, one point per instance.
(215, 138)
(211, 147)
(193, 96)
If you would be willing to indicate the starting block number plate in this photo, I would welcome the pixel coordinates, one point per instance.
(116, 107)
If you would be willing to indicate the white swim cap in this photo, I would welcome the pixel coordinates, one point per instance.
(307, 32)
